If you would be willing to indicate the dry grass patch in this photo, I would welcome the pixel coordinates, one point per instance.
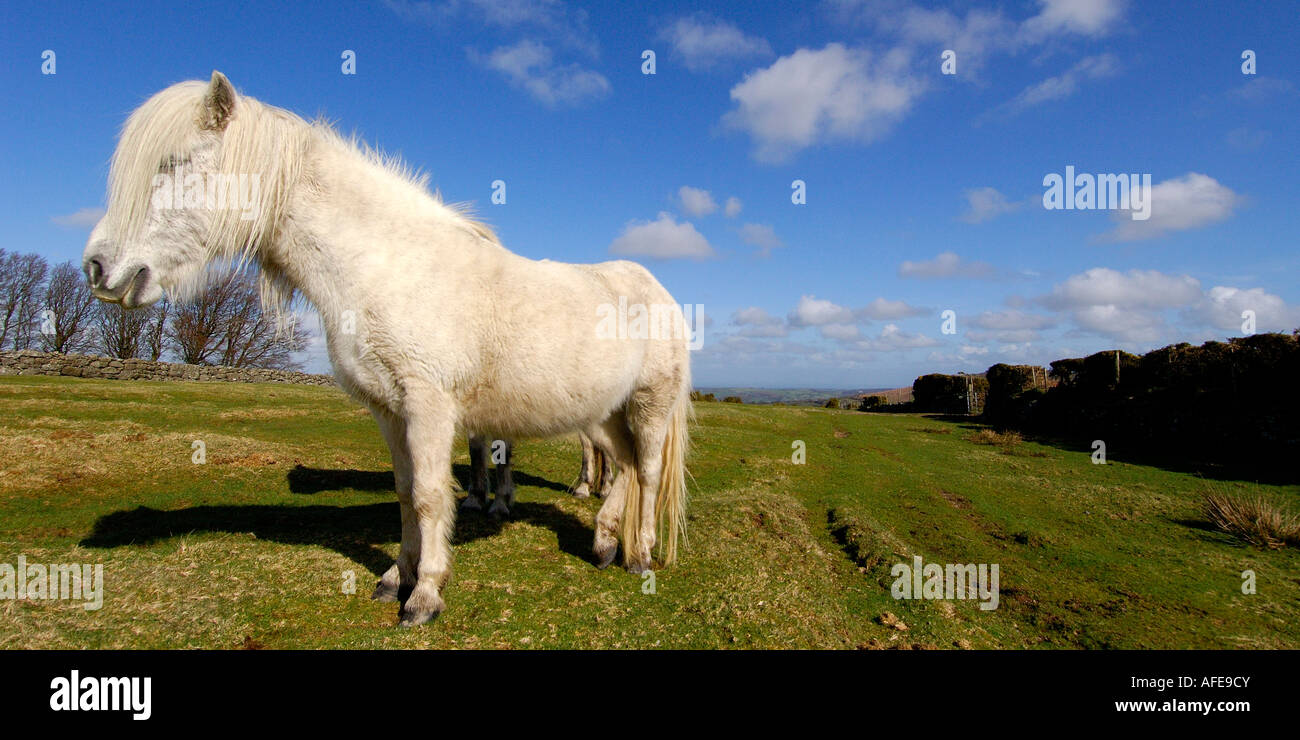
(1252, 517)
(996, 438)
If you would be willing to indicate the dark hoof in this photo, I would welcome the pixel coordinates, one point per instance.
(499, 511)
(473, 503)
(387, 594)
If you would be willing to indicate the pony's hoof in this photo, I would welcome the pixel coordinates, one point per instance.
(637, 569)
(416, 612)
(499, 510)
(582, 491)
(471, 503)
(415, 619)
(384, 593)
(605, 554)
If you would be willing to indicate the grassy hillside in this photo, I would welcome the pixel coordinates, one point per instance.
(252, 548)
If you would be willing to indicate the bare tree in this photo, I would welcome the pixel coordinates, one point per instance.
(121, 332)
(67, 312)
(227, 325)
(21, 278)
(197, 324)
(155, 334)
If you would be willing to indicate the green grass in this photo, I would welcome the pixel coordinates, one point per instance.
(251, 548)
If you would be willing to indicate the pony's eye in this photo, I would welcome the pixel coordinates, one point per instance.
(172, 162)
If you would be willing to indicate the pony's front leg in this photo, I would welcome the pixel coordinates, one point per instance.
(430, 430)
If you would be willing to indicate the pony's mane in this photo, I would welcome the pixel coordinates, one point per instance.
(260, 139)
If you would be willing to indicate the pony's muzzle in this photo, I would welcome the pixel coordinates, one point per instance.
(126, 289)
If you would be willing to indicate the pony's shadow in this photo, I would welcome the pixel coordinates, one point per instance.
(356, 532)
(308, 481)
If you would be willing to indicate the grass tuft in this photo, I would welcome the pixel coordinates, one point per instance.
(1253, 517)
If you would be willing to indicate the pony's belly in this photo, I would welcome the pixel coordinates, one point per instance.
(514, 415)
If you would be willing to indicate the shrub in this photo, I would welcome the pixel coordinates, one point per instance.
(871, 403)
(732, 399)
(946, 394)
(832, 403)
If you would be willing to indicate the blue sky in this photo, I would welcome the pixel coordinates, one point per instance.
(924, 190)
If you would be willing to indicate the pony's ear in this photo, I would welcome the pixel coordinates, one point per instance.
(218, 103)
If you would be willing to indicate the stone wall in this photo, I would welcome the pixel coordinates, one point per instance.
(28, 362)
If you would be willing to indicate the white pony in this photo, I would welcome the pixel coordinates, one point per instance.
(431, 322)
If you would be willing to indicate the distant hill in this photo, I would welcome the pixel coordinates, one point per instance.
(805, 396)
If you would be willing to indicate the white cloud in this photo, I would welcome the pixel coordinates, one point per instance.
(1222, 307)
(984, 204)
(752, 315)
(1084, 17)
(663, 237)
(1017, 336)
(1257, 89)
(842, 332)
(1127, 307)
(972, 36)
(530, 65)
(980, 33)
(563, 23)
(813, 311)
(945, 265)
(1178, 204)
(1012, 320)
(1126, 325)
(1011, 326)
(696, 202)
(758, 323)
(1133, 307)
(885, 310)
(892, 338)
(834, 93)
(1102, 286)
(761, 236)
(733, 207)
(82, 219)
(1061, 86)
(703, 43)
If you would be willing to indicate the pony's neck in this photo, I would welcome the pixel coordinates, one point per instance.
(344, 194)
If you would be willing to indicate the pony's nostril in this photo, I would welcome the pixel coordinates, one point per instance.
(94, 272)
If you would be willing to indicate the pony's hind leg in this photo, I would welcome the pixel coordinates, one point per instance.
(505, 493)
(586, 474)
(478, 477)
(394, 431)
(612, 435)
(638, 543)
(605, 475)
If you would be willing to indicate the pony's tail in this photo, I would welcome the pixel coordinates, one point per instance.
(670, 501)
(670, 504)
